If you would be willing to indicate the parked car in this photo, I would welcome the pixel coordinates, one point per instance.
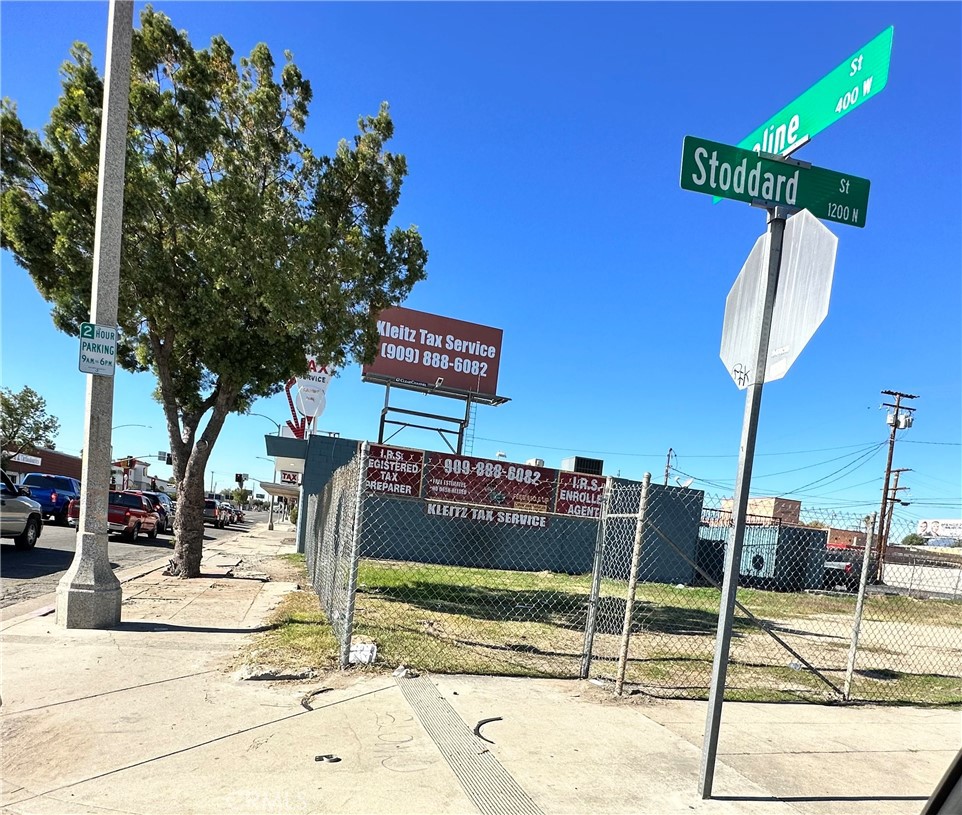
(53, 493)
(233, 516)
(128, 514)
(843, 567)
(213, 514)
(162, 505)
(21, 518)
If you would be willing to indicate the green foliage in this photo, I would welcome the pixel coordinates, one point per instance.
(239, 496)
(24, 423)
(913, 540)
(293, 515)
(243, 251)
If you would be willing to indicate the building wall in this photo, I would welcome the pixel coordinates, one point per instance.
(784, 509)
(52, 462)
(846, 537)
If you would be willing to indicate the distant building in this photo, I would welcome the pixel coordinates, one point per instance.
(783, 510)
(841, 538)
(44, 461)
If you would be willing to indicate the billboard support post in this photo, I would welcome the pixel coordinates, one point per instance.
(464, 425)
(746, 455)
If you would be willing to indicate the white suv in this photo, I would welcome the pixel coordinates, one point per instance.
(20, 515)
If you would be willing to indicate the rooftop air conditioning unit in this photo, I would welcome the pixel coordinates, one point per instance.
(580, 464)
(535, 462)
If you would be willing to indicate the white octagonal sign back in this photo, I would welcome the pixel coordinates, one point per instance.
(801, 301)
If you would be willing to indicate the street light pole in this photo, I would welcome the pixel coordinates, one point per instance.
(270, 518)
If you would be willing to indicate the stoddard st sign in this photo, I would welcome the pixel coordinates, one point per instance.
(743, 175)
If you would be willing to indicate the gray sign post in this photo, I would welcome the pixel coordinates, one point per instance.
(89, 594)
(746, 455)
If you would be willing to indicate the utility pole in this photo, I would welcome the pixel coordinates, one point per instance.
(899, 419)
(89, 594)
(668, 464)
(893, 499)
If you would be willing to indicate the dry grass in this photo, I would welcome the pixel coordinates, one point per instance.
(459, 620)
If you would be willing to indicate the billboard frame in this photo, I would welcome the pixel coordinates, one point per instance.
(443, 431)
(433, 390)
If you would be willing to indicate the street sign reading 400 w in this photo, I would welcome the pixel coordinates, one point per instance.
(743, 175)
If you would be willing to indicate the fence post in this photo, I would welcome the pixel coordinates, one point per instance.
(859, 605)
(958, 579)
(592, 621)
(632, 584)
(355, 552)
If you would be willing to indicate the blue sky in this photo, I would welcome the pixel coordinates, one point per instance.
(544, 145)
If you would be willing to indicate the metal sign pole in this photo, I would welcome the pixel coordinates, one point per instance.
(733, 552)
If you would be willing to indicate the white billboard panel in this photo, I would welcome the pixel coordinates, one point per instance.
(930, 528)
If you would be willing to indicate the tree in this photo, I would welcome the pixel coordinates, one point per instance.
(25, 424)
(913, 540)
(243, 250)
(240, 495)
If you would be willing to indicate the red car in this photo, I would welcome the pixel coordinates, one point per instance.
(128, 514)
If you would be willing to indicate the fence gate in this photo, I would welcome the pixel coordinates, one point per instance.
(674, 547)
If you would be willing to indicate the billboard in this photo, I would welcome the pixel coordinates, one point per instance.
(437, 353)
(940, 528)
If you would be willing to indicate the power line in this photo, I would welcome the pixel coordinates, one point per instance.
(661, 453)
(861, 461)
(816, 464)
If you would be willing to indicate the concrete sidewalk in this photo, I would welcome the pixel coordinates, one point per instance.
(148, 718)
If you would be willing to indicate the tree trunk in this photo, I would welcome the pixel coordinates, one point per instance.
(189, 525)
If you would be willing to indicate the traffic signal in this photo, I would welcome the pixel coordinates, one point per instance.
(129, 463)
(170, 459)
(239, 478)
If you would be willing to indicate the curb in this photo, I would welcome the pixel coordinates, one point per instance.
(47, 603)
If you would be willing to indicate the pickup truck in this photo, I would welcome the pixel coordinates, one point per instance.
(20, 516)
(843, 566)
(128, 515)
(53, 493)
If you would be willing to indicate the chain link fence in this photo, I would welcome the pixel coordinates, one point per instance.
(332, 529)
(452, 564)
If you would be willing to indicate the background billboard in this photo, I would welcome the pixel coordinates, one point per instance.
(438, 353)
(940, 528)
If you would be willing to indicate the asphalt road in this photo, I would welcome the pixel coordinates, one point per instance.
(35, 572)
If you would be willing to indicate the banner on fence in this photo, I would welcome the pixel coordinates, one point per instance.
(437, 509)
(484, 481)
(394, 470)
(579, 495)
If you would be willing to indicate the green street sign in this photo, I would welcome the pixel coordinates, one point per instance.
(862, 76)
(743, 175)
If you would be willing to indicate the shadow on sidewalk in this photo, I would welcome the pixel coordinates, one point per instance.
(156, 627)
(801, 799)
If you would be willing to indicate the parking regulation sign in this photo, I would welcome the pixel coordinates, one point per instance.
(98, 349)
